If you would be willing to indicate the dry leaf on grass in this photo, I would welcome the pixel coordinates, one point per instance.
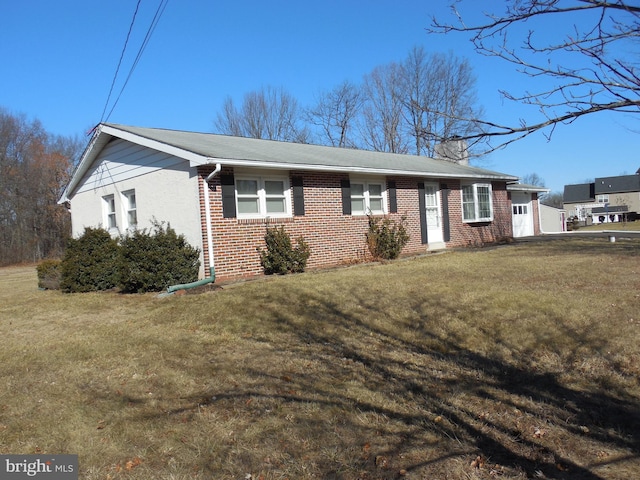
(478, 462)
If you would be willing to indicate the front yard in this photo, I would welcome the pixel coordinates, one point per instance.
(515, 362)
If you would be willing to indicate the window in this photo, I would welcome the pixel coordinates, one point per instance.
(109, 207)
(476, 203)
(603, 198)
(520, 210)
(131, 211)
(262, 197)
(366, 198)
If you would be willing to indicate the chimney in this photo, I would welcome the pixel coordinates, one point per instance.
(454, 150)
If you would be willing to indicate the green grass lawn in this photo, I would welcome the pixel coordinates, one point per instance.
(514, 362)
(623, 226)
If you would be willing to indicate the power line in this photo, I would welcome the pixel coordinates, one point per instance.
(154, 22)
(113, 82)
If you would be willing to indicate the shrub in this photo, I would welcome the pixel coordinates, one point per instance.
(386, 238)
(49, 274)
(281, 256)
(151, 261)
(90, 262)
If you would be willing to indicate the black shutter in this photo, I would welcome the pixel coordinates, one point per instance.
(228, 184)
(298, 196)
(423, 213)
(346, 196)
(393, 200)
(446, 228)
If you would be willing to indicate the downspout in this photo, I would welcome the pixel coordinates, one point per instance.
(212, 272)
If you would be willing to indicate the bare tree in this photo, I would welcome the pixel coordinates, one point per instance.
(269, 113)
(592, 67)
(533, 179)
(439, 98)
(381, 121)
(34, 168)
(335, 112)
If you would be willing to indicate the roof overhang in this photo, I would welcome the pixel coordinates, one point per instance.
(104, 133)
(339, 169)
(521, 187)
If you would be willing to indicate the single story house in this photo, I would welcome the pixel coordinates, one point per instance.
(607, 199)
(221, 193)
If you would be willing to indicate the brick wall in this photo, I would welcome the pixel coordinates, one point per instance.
(334, 238)
(481, 233)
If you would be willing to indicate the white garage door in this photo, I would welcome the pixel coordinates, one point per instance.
(522, 214)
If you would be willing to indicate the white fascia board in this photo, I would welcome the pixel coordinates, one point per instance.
(194, 159)
(340, 169)
(98, 141)
(85, 161)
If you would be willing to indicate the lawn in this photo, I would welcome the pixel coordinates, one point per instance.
(622, 226)
(515, 362)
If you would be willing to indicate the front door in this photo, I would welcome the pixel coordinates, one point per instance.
(433, 213)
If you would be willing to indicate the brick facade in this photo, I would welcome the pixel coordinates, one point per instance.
(334, 238)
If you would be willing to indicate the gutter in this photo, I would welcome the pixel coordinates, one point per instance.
(212, 271)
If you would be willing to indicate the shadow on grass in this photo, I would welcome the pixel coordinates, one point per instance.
(427, 387)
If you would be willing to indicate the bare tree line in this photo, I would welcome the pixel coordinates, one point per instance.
(396, 108)
(34, 169)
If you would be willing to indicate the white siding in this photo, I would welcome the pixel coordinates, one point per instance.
(166, 190)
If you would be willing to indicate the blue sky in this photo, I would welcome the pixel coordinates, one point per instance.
(59, 58)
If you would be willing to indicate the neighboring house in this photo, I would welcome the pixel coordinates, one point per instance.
(607, 199)
(525, 208)
(222, 192)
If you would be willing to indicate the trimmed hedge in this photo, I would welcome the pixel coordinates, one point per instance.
(143, 261)
(153, 261)
(90, 262)
(49, 274)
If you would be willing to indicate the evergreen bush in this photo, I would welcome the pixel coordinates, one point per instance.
(90, 262)
(151, 261)
(386, 238)
(280, 256)
(49, 274)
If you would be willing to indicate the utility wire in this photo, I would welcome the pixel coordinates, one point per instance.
(145, 42)
(154, 22)
(113, 82)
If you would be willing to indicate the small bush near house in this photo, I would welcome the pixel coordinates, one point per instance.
(49, 274)
(90, 262)
(386, 238)
(280, 256)
(151, 261)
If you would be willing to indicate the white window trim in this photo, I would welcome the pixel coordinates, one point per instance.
(477, 218)
(126, 208)
(367, 197)
(107, 202)
(262, 196)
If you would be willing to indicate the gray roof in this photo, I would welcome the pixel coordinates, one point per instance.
(221, 147)
(619, 184)
(579, 193)
(208, 148)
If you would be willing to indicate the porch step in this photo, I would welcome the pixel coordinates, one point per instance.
(436, 246)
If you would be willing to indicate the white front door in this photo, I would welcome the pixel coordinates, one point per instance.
(522, 214)
(433, 214)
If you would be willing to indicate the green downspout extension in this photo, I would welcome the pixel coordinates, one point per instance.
(212, 272)
(199, 283)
